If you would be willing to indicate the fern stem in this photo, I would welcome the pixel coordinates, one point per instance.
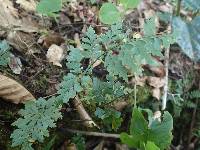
(135, 95)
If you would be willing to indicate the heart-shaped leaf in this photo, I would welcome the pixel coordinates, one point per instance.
(192, 4)
(109, 14)
(188, 36)
(129, 3)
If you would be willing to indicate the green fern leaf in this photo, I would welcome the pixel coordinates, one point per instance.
(36, 118)
(194, 94)
(69, 87)
(114, 66)
(74, 60)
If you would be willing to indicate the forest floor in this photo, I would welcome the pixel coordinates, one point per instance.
(31, 35)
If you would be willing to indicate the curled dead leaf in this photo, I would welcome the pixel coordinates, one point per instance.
(14, 20)
(120, 105)
(23, 42)
(12, 91)
(50, 39)
(28, 5)
(156, 82)
(156, 93)
(55, 55)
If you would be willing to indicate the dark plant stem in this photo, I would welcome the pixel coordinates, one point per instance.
(178, 9)
(192, 124)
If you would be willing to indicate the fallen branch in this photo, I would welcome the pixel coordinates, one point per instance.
(97, 134)
(165, 88)
(88, 122)
(166, 65)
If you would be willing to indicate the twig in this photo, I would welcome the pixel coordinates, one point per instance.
(98, 134)
(165, 89)
(88, 122)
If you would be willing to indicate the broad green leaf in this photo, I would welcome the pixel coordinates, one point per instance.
(150, 27)
(129, 140)
(188, 38)
(153, 135)
(151, 146)
(160, 132)
(139, 125)
(48, 7)
(192, 4)
(4, 53)
(129, 3)
(109, 14)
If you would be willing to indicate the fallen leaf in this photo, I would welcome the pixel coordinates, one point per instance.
(156, 82)
(13, 21)
(12, 91)
(55, 55)
(156, 93)
(23, 42)
(77, 40)
(139, 80)
(159, 70)
(157, 115)
(120, 105)
(50, 39)
(15, 64)
(28, 5)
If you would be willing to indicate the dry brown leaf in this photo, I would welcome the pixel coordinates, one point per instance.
(156, 93)
(77, 40)
(120, 105)
(28, 5)
(139, 80)
(55, 55)
(50, 39)
(156, 82)
(9, 18)
(159, 71)
(12, 91)
(15, 64)
(23, 42)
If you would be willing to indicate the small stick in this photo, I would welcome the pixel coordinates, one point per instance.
(165, 89)
(97, 134)
(88, 122)
(166, 65)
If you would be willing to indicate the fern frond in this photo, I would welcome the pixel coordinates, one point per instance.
(74, 60)
(36, 118)
(69, 87)
(115, 67)
(194, 94)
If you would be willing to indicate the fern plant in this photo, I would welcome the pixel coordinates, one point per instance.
(37, 117)
(120, 56)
